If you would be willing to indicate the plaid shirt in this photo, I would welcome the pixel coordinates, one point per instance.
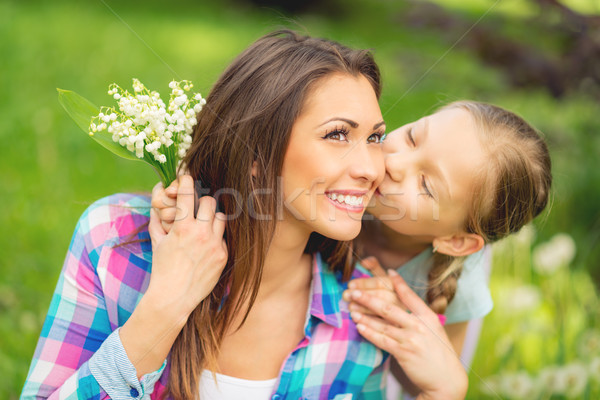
(79, 354)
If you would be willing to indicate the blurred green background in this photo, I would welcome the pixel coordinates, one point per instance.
(533, 57)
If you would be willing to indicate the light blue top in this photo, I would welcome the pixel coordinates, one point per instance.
(472, 300)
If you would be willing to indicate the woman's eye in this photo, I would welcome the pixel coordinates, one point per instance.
(376, 138)
(425, 188)
(410, 137)
(340, 135)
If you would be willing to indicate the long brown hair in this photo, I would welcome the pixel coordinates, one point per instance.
(512, 190)
(247, 121)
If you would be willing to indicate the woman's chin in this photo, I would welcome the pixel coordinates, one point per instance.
(341, 231)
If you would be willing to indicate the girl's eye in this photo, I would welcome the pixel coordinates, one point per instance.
(376, 137)
(425, 188)
(410, 137)
(338, 134)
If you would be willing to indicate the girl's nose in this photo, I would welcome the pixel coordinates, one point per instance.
(395, 166)
(392, 142)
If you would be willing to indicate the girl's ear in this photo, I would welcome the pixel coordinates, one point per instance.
(254, 170)
(459, 244)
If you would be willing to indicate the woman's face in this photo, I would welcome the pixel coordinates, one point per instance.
(431, 167)
(334, 159)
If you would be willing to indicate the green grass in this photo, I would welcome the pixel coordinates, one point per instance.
(51, 171)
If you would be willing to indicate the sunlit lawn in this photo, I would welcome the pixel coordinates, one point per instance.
(51, 171)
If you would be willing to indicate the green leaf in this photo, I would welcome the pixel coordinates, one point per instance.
(82, 111)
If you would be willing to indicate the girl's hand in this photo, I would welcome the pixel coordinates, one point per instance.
(379, 285)
(417, 340)
(188, 261)
(164, 202)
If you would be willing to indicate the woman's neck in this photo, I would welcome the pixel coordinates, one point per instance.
(286, 268)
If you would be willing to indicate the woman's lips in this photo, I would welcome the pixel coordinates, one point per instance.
(348, 200)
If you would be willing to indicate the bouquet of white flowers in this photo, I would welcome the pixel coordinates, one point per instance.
(143, 127)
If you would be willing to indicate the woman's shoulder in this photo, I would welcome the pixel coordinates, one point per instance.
(114, 217)
(119, 204)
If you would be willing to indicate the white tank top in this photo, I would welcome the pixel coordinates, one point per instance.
(230, 388)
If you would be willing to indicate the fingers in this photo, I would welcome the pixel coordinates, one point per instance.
(166, 225)
(407, 296)
(155, 229)
(171, 191)
(381, 334)
(384, 294)
(207, 206)
(185, 199)
(168, 215)
(371, 283)
(219, 224)
(372, 264)
(164, 198)
(385, 309)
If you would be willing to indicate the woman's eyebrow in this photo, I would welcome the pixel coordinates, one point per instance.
(377, 125)
(353, 124)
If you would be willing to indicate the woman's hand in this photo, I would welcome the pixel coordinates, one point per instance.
(188, 260)
(416, 339)
(164, 202)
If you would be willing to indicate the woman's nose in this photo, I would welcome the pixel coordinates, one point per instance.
(367, 164)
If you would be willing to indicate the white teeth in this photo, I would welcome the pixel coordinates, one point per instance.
(347, 199)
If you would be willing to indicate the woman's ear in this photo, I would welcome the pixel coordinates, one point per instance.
(254, 170)
(459, 244)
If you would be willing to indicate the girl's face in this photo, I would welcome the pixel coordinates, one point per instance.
(334, 159)
(431, 168)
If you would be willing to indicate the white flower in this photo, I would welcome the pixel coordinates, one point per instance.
(589, 344)
(551, 381)
(558, 252)
(521, 299)
(518, 386)
(145, 125)
(594, 369)
(576, 377)
(491, 385)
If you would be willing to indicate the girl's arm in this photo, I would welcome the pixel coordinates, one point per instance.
(416, 340)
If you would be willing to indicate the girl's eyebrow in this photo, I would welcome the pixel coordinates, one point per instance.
(435, 169)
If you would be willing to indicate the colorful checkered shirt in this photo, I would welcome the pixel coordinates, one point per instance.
(79, 354)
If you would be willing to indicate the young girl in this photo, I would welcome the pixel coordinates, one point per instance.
(469, 174)
(259, 313)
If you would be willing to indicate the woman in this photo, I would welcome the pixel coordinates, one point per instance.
(259, 309)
